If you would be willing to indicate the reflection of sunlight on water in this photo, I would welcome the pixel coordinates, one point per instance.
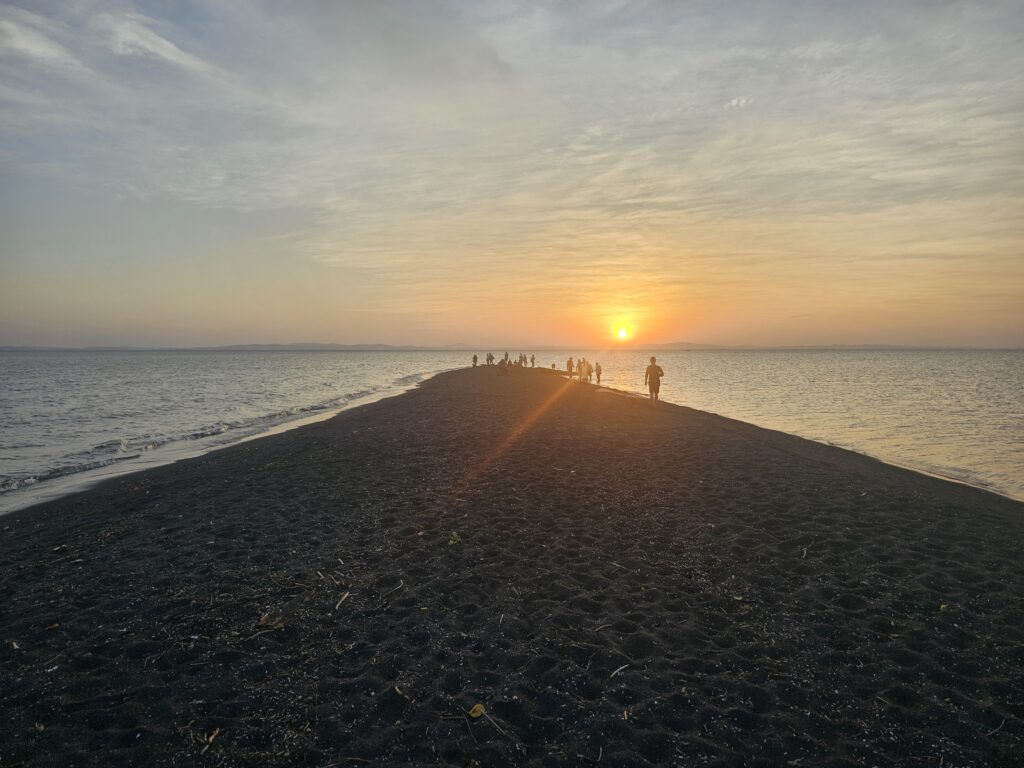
(618, 380)
(956, 413)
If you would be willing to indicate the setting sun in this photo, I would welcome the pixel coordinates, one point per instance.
(622, 333)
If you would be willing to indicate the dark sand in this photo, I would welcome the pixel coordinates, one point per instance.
(618, 585)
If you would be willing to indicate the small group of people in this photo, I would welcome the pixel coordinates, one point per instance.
(583, 369)
(521, 360)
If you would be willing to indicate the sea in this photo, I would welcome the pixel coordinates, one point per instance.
(71, 418)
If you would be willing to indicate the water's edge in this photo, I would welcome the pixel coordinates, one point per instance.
(66, 485)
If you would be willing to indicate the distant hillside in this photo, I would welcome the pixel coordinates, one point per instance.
(676, 345)
(315, 346)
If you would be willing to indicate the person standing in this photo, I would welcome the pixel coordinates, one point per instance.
(652, 378)
(474, 361)
(568, 368)
(597, 372)
(533, 361)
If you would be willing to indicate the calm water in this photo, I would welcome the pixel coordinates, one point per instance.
(75, 414)
(955, 413)
(68, 414)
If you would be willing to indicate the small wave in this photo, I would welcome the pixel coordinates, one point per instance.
(8, 484)
(107, 448)
(216, 429)
(410, 379)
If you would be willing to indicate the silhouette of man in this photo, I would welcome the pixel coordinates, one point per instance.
(474, 361)
(597, 371)
(533, 361)
(652, 378)
(568, 367)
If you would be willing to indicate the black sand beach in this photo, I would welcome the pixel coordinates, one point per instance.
(615, 584)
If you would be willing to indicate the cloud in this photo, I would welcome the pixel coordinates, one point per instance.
(131, 35)
(547, 147)
(26, 35)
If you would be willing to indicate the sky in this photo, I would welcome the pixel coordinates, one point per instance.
(511, 173)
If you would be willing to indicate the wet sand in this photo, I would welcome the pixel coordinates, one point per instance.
(615, 584)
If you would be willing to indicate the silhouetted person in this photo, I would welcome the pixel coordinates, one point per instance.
(568, 367)
(474, 361)
(533, 361)
(597, 370)
(652, 378)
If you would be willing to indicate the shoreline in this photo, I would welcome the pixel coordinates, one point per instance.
(48, 490)
(52, 489)
(632, 585)
(889, 462)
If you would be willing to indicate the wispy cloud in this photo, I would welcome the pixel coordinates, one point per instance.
(131, 34)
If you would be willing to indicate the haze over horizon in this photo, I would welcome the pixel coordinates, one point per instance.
(775, 174)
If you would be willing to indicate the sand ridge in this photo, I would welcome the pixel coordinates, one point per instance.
(615, 585)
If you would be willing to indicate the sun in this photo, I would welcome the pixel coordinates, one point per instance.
(622, 333)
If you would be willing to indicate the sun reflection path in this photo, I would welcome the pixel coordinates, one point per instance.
(514, 434)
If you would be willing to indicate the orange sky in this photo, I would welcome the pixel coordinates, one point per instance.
(495, 176)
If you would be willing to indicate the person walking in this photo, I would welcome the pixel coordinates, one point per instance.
(652, 378)
(597, 372)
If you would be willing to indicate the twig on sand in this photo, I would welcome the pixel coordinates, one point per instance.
(600, 754)
(618, 566)
(344, 597)
(209, 740)
(500, 729)
(470, 729)
(401, 584)
(804, 555)
(613, 674)
(996, 729)
(603, 626)
(344, 760)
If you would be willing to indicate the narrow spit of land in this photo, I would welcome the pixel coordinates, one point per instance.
(515, 570)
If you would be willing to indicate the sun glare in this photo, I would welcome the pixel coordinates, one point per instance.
(622, 333)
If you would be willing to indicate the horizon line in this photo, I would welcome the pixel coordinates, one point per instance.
(462, 347)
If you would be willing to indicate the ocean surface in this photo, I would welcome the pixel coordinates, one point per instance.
(67, 418)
